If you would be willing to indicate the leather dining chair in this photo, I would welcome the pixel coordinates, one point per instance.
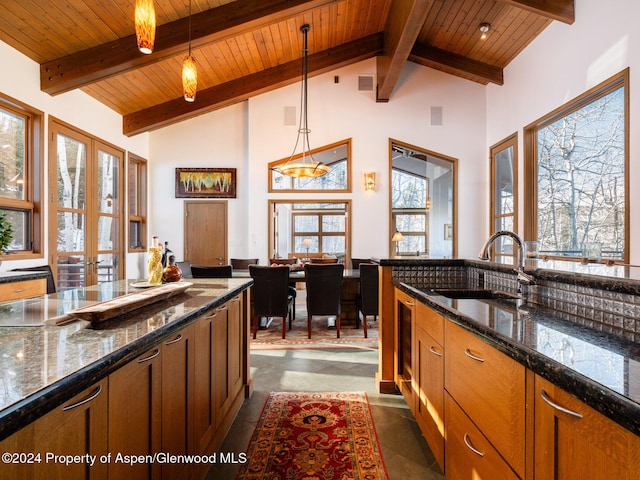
(324, 292)
(243, 263)
(355, 262)
(323, 260)
(271, 296)
(367, 299)
(185, 268)
(283, 261)
(51, 283)
(211, 271)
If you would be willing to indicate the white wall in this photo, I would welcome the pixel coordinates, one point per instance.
(250, 137)
(562, 63)
(20, 79)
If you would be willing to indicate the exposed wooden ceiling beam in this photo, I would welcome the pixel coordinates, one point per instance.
(481, 72)
(404, 22)
(119, 56)
(562, 10)
(243, 88)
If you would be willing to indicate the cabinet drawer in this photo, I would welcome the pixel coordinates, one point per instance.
(469, 454)
(430, 321)
(23, 289)
(490, 388)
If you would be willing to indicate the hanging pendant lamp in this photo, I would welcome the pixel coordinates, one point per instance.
(145, 22)
(189, 71)
(303, 165)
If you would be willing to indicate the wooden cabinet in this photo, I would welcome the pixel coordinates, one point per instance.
(429, 378)
(219, 372)
(469, 454)
(490, 388)
(78, 427)
(23, 289)
(135, 415)
(177, 400)
(574, 441)
(404, 307)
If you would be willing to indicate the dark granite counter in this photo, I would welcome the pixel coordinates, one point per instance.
(8, 277)
(43, 365)
(601, 370)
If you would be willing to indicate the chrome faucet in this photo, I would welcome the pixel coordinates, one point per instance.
(485, 254)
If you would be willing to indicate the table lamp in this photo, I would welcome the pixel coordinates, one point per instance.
(397, 237)
(307, 243)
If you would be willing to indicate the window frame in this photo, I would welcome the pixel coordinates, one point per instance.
(33, 177)
(510, 142)
(619, 80)
(140, 187)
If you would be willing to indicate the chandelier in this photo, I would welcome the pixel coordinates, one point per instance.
(145, 22)
(303, 165)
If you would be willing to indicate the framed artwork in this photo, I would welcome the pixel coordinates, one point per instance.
(205, 183)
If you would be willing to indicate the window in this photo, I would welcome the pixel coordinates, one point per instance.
(137, 187)
(21, 175)
(504, 196)
(421, 202)
(577, 175)
(336, 156)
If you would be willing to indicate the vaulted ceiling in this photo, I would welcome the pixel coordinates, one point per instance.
(248, 47)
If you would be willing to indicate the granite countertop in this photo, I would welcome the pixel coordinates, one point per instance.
(8, 277)
(601, 370)
(43, 365)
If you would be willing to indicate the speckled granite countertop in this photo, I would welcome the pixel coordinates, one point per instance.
(600, 370)
(8, 277)
(44, 365)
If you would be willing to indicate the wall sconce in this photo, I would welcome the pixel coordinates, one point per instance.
(369, 181)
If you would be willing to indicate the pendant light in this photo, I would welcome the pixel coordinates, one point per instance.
(145, 22)
(304, 165)
(189, 71)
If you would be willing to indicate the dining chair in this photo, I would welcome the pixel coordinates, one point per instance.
(355, 262)
(211, 271)
(243, 263)
(185, 268)
(324, 291)
(323, 260)
(51, 283)
(367, 299)
(283, 261)
(271, 296)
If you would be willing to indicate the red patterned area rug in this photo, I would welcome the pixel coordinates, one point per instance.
(314, 436)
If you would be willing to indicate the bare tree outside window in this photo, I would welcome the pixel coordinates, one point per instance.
(580, 176)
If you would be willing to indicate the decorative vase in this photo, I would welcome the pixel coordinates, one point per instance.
(172, 272)
(154, 267)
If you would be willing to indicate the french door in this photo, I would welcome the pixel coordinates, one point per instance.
(85, 228)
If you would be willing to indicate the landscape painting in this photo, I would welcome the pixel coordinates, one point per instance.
(205, 183)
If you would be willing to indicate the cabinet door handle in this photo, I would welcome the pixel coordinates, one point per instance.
(175, 340)
(155, 353)
(236, 299)
(467, 442)
(214, 314)
(86, 400)
(20, 290)
(222, 308)
(409, 304)
(544, 396)
(468, 353)
(435, 352)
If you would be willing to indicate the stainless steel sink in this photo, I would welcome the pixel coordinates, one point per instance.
(481, 294)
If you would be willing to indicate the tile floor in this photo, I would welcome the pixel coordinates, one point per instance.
(404, 450)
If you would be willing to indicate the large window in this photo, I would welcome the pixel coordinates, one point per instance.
(577, 175)
(20, 175)
(504, 196)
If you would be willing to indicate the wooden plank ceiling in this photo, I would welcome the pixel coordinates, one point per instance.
(247, 47)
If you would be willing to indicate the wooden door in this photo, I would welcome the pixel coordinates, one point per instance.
(205, 232)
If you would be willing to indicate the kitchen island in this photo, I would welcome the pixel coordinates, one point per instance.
(179, 365)
(535, 382)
